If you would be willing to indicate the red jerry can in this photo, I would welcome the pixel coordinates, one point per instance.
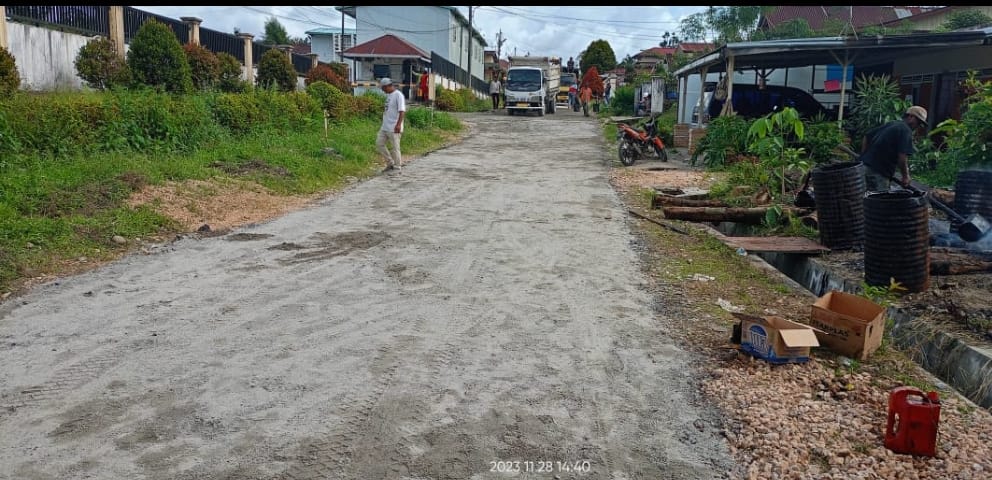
(913, 420)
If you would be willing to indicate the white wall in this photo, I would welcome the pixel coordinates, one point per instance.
(45, 58)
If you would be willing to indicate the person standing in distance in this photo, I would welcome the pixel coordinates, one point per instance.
(392, 125)
(494, 89)
(887, 147)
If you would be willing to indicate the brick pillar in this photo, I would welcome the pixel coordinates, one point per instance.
(313, 59)
(249, 63)
(117, 29)
(3, 27)
(194, 28)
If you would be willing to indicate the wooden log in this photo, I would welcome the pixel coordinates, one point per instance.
(659, 200)
(945, 267)
(811, 221)
(958, 263)
(752, 216)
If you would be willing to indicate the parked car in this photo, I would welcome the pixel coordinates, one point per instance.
(753, 102)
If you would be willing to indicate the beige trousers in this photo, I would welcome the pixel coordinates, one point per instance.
(392, 153)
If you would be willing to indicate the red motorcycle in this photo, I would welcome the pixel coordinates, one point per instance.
(640, 143)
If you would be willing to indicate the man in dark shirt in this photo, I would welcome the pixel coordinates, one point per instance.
(887, 147)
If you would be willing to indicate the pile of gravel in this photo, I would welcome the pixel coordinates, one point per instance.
(818, 421)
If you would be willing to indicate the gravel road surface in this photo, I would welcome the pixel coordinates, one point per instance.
(483, 307)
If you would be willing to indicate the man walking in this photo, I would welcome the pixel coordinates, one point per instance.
(585, 96)
(392, 125)
(494, 88)
(888, 147)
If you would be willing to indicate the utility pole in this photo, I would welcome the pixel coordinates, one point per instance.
(470, 36)
(500, 40)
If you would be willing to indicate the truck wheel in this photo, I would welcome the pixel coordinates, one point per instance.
(554, 108)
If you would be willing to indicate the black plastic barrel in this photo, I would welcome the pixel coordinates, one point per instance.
(897, 239)
(840, 190)
(973, 193)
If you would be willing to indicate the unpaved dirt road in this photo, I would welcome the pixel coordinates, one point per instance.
(485, 305)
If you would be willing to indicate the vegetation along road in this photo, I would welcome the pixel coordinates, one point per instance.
(480, 315)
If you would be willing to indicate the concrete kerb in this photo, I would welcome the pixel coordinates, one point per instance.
(965, 367)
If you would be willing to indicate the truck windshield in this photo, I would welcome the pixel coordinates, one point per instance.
(567, 80)
(523, 80)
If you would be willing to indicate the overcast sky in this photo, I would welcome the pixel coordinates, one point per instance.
(557, 31)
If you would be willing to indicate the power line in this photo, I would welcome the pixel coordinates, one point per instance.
(590, 20)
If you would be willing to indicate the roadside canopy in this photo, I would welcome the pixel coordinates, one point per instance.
(864, 51)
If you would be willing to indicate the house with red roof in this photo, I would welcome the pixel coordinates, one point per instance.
(438, 40)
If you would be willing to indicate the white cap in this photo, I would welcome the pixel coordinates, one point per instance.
(385, 81)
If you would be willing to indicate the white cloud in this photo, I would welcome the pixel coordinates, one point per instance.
(556, 31)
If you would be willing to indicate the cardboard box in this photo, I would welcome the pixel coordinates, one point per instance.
(776, 339)
(848, 324)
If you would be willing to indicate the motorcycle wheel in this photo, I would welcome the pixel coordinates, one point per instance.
(661, 153)
(626, 153)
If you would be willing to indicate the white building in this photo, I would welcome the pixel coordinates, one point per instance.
(431, 29)
(329, 42)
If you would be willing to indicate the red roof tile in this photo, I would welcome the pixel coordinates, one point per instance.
(816, 16)
(301, 48)
(388, 45)
(656, 52)
(695, 46)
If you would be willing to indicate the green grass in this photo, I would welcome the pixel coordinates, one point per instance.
(57, 208)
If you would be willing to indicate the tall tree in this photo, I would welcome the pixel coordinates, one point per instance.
(598, 54)
(726, 24)
(275, 33)
(966, 19)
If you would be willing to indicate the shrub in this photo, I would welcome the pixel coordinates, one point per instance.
(98, 64)
(726, 137)
(276, 71)
(821, 141)
(229, 74)
(876, 101)
(156, 59)
(10, 78)
(420, 117)
(64, 124)
(204, 66)
(337, 104)
(622, 100)
(324, 73)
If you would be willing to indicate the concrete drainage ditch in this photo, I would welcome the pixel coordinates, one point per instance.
(966, 367)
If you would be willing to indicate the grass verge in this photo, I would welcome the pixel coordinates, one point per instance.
(60, 215)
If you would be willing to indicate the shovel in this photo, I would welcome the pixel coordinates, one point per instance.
(971, 229)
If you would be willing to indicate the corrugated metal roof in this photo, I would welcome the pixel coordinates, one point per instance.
(330, 31)
(827, 50)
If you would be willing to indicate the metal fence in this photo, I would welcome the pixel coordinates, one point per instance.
(442, 66)
(219, 42)
(85, 19)
(95, 20)
(134, 19)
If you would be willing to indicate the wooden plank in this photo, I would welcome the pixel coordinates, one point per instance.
(775, 244)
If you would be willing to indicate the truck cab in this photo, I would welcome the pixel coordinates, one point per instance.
(567, 80)
(531, 85)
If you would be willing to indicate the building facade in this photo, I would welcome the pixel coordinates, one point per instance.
(441, 30)
(329, 42)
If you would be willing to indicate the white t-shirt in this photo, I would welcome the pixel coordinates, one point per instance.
(494, 87)
(395, 103)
